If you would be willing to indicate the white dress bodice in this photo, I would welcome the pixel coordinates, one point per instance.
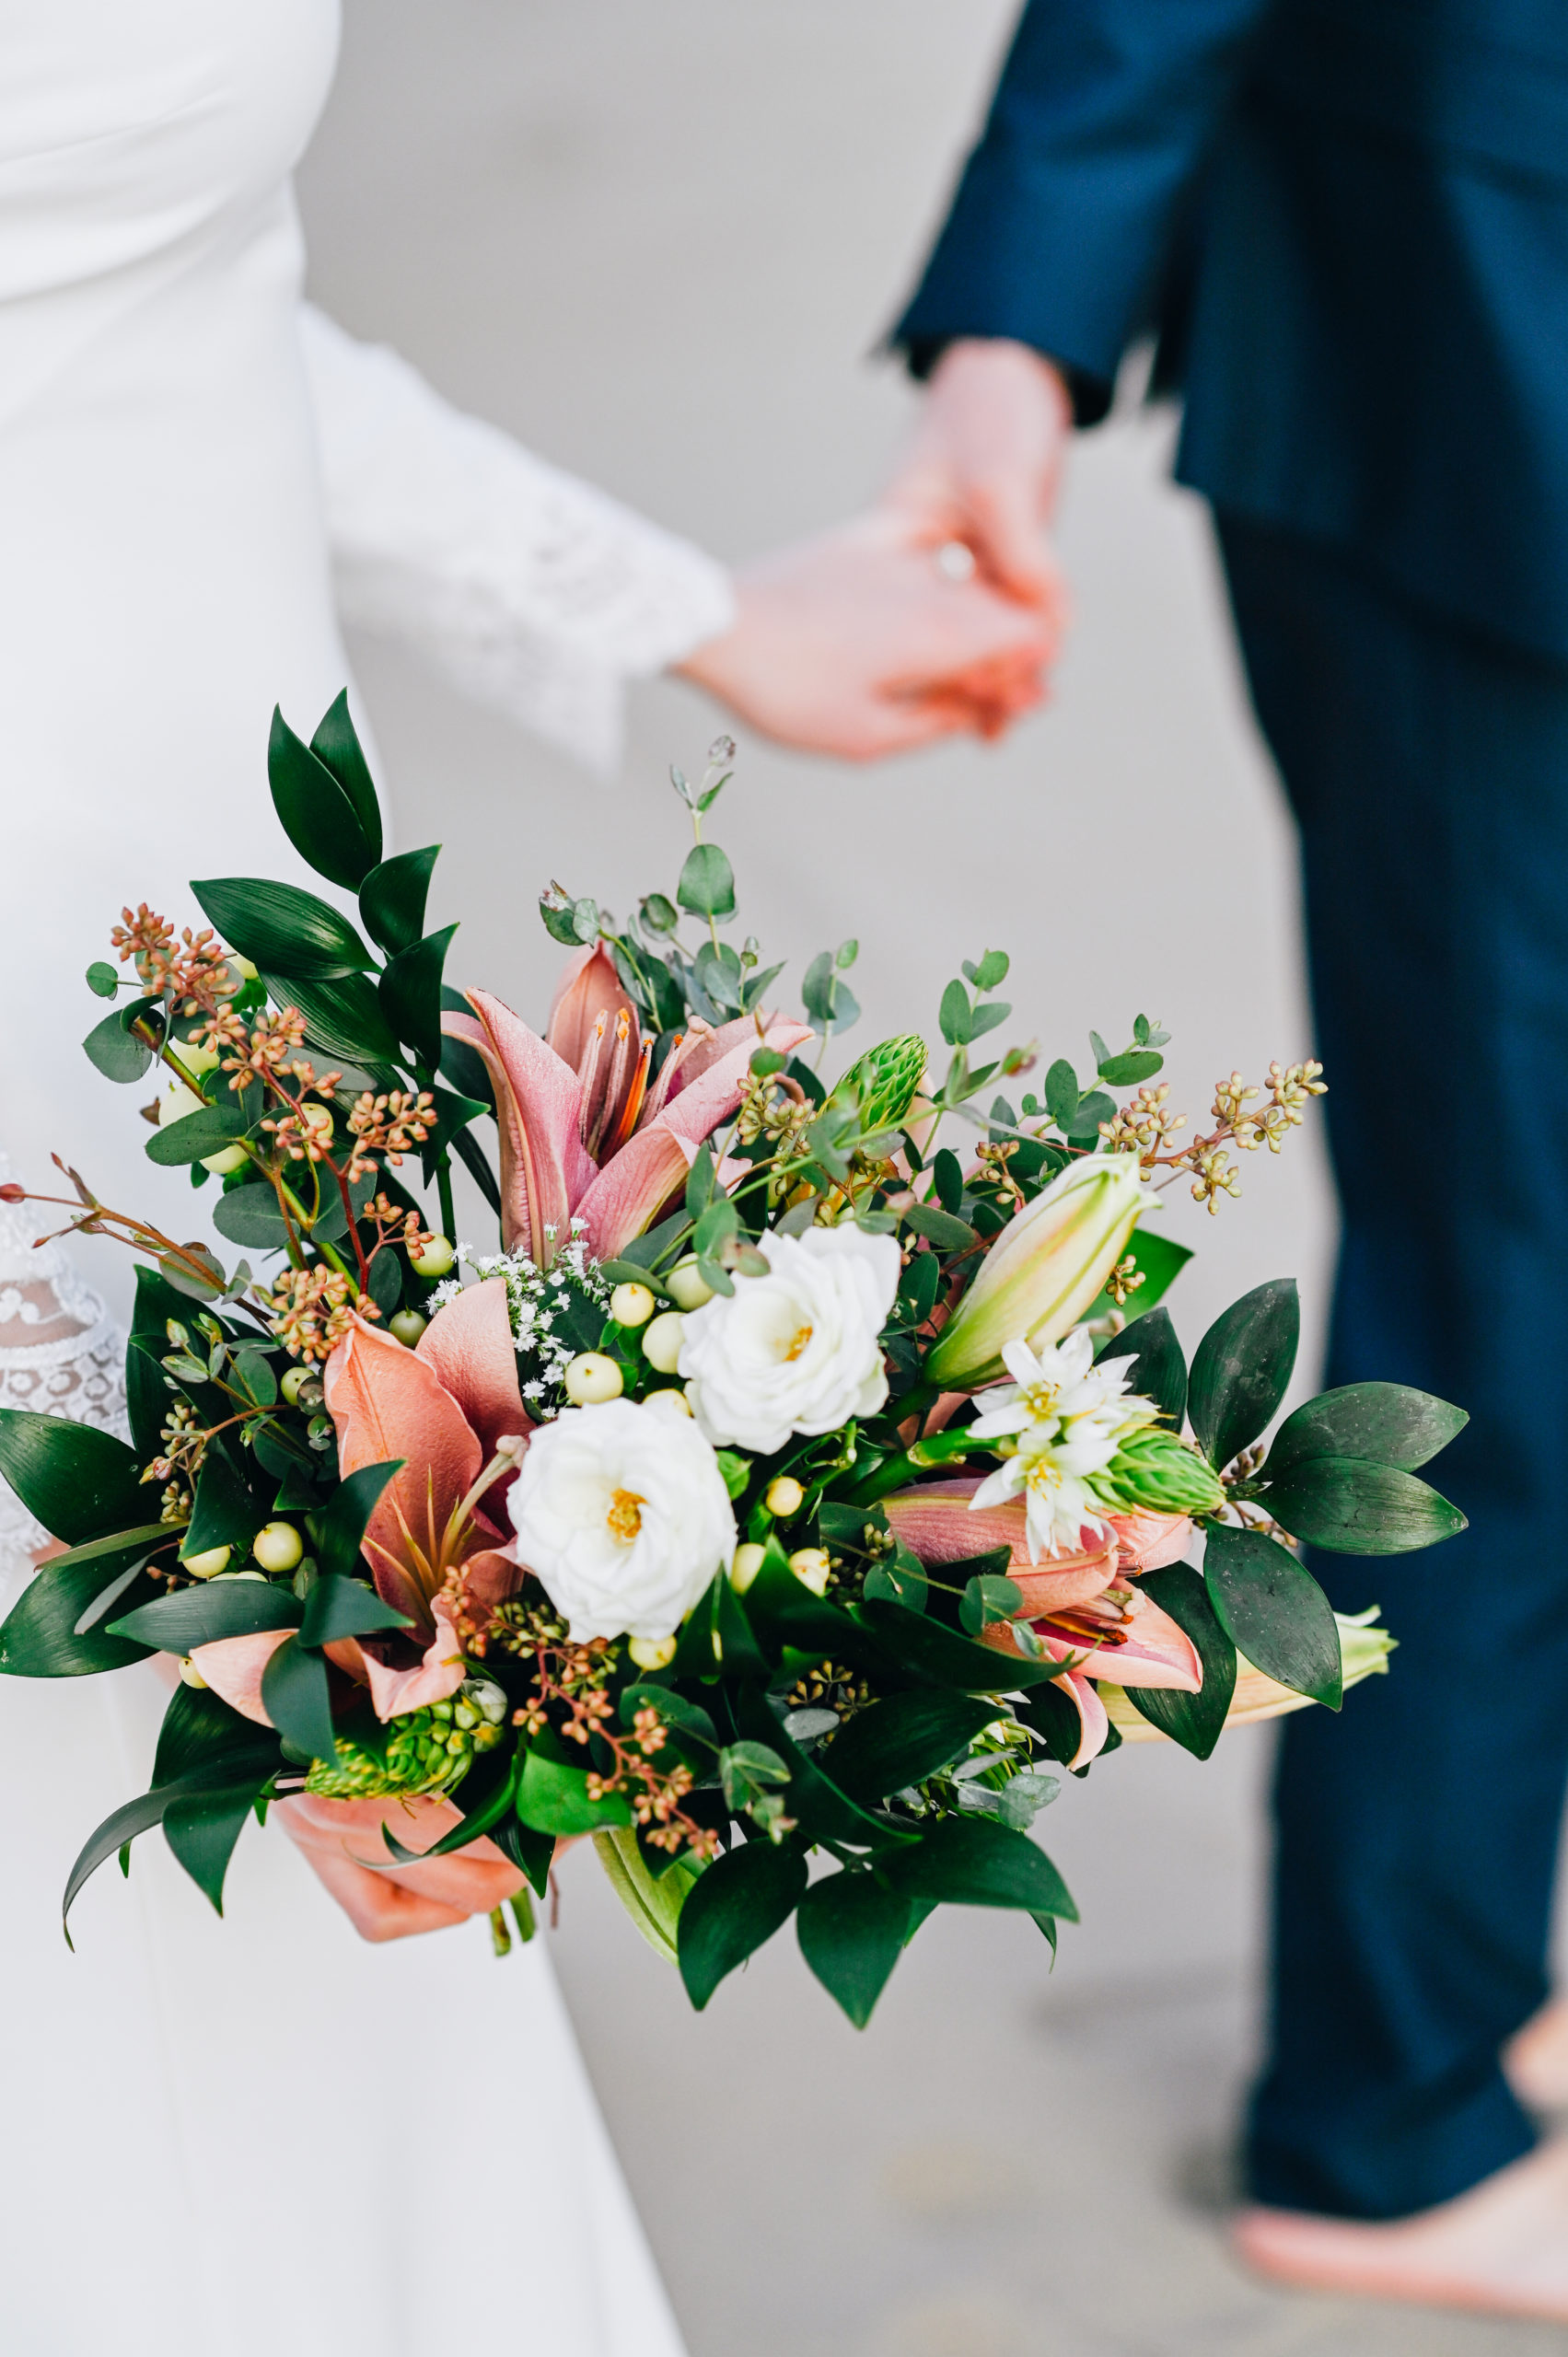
(218, 2135)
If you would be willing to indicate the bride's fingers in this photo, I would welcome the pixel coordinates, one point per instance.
(378, 1907)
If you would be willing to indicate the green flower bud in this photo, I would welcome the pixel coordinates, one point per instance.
(885, 1080)
(1155, 1472)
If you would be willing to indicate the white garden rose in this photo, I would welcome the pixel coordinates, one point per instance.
(623, 1516)
(796, 1350)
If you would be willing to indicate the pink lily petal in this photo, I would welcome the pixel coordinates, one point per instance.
(492, 1577)
(1152, 1649)
(1094, 1720)
(440, 1673)
(589, 987)
(234, 1667)
(1148, 1541)
(469, 1344)
(623, 1198)
(701, 1104)
(937, 1520)
(545, 1169)
(387, 1401)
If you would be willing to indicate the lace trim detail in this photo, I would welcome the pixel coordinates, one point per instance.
(72, 1366)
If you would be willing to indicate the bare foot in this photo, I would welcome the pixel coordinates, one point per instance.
(1535, 2061)
(1501, 2248)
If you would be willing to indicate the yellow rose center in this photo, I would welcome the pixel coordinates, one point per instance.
(797, 1343)
(624, 1517)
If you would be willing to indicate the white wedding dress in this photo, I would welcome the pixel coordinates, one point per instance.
(237, 2139)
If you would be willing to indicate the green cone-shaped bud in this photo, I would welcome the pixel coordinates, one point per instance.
(1043, 1270)
(885, 1080)
(1157, 1473)
(425, 1754)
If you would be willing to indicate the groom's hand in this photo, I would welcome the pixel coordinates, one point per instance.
(872, 639)
(985, 465)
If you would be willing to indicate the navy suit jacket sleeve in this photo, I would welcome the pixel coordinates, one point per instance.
(1060, 230)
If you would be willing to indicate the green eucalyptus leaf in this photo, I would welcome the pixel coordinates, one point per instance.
(196, 1134)
(112, 1046)
(707, 882)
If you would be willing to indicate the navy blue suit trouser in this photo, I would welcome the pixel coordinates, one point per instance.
(1417, 1832)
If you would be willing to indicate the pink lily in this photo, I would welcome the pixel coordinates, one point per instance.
(443, 1408)
(1148, 1541)
(1080, 1607)
(935, 1520)
(583, 1133)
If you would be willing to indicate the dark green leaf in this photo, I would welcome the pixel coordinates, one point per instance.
(948, 1174)
(336, 742)
(1158, 1261)
(392, 898)
(740, 1901)
(295, 1698)
(553, 1798)
(146, 1394)
(338, 1530)
(1161, 1371)
(201, 1732)
(343, 1608)
(316, 815)
(902, 1739)
(1091, 1111)
(202, 1828)
(1386, 1421)
(852, 1932)
(44, 1634)
(410, 991)
(282, 929)
(225, 1514)
(1241, 1368)
(137, 1816)
(79, 1483)
(926, 1650)
(825, 1812)
(1194, 1720)
(975, 1861)
(1354, 1507)
(1274, 1611)
(677, 1713)
(741, 1654)
(112, 1046)
(1055, 1720)
(201, 1616)
(343, 1017)
(707, 882)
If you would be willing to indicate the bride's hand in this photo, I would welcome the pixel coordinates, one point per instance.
(334, 1835)
(863, 643)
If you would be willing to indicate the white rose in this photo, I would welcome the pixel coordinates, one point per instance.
(623, 1516)
(796, 1350)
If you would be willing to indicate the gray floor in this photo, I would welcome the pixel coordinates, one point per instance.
(658, 242)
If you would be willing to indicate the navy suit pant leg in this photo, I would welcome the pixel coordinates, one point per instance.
(1417, 1831)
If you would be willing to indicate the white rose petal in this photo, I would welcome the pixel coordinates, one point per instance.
(796, 1350)
(623, 1516)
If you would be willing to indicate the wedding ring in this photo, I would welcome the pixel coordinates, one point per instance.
(955, 561)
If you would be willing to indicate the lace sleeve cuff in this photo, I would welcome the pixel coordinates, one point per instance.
(531, 590)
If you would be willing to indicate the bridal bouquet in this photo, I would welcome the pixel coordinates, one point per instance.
(789, 1484)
